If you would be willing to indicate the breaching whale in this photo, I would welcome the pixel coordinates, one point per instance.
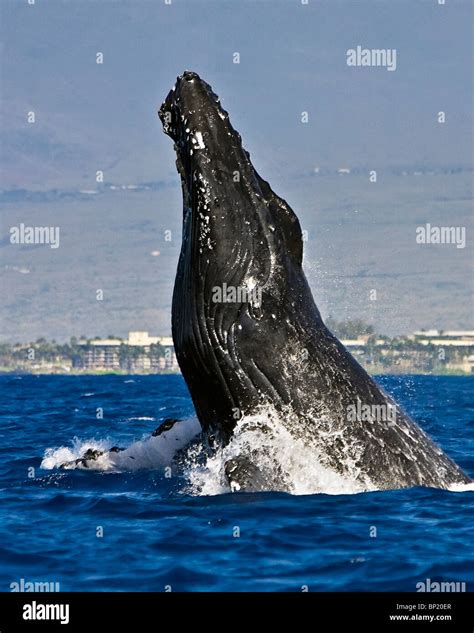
(260, 344)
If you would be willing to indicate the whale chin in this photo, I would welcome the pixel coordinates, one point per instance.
(246, 329)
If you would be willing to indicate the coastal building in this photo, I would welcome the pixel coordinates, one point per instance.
(465, 365)
(102, 354)
(456, 338)
(359, 342)
(424, 351)
(140, 352)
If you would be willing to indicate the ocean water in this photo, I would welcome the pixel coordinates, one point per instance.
(129, 526)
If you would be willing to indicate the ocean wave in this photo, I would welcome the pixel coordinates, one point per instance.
(141, 418)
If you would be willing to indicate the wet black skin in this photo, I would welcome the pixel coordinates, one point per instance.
(237, 356)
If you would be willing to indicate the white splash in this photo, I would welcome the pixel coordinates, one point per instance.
(148, 453)
(294, 466)
(55, 457)
(462, 487)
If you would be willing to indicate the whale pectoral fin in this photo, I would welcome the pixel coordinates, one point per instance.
(242, 475)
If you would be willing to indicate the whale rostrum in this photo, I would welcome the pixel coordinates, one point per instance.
(247, 333)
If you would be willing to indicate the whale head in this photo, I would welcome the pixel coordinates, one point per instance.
(241, 253)
(222, 192)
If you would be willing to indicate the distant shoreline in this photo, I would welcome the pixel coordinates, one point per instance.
(424, 352)
(15, 372)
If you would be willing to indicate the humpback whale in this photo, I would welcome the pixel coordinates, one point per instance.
(264, 347)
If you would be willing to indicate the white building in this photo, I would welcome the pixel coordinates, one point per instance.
(107, 353)
(455, 338)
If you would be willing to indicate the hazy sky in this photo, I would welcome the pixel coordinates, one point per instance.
(91, 117)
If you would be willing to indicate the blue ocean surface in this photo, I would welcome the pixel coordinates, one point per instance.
(142, 531)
